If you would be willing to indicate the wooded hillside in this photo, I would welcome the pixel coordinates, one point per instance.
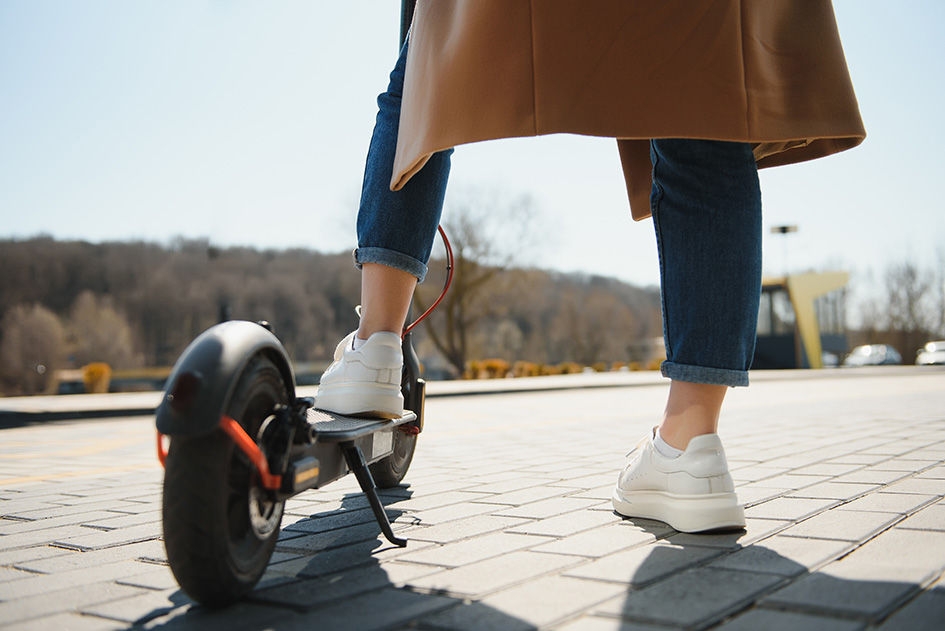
(67, 303)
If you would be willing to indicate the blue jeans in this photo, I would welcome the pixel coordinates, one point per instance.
(706, 203)
(397, 228)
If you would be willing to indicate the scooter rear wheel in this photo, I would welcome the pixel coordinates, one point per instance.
(220, 525)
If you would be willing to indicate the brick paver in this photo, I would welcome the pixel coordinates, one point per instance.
(509, 524)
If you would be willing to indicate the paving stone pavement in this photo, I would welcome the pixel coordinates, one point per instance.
(507, 512)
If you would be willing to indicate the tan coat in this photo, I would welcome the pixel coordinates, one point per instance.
(769, 72)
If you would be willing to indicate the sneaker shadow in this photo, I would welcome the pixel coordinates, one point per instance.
(724, 580)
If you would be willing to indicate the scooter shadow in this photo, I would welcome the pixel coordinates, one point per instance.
(326, 573)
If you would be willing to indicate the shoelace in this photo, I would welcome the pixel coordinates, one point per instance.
(639, 446)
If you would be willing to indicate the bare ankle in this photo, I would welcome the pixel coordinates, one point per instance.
(692, 409)
(386, 293)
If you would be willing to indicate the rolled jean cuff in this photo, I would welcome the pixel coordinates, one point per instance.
(703, 374)
(391, 258)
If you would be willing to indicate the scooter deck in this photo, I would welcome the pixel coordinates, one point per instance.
(343, 442)
(337, 428)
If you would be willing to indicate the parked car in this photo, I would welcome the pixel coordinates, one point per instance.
(931, 353)
(873, 355)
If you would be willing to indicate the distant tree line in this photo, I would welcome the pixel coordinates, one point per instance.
(67, 304)
(140, 304)
(64, 304)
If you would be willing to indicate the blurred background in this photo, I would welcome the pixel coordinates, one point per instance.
(166, 165)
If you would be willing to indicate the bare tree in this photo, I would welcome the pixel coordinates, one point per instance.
(594, 322)
(907, 289)
(98, 333)
(905, 309)
(911, 313)
(32, 348)
(938, 293)
(488, 233)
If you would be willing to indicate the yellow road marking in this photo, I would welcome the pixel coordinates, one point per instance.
(75, 474)
(87, 450)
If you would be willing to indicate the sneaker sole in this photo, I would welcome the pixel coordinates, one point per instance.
(353, 401)
(685, 513)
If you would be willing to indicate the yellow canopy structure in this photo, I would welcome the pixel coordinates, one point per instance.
(803, 290)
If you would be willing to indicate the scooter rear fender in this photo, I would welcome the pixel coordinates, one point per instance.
(204, 377)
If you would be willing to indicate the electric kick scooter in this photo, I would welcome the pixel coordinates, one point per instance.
(241, 443)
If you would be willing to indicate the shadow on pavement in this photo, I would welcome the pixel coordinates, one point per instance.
(330, 577)
(327, 574)
(712, 581)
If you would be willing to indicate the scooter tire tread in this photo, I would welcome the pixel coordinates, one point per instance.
(187, 539)
(195, 503)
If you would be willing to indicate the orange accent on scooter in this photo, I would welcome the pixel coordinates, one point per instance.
(162, 453)
(249, 447)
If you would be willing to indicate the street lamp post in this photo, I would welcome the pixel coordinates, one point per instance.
(784, 230)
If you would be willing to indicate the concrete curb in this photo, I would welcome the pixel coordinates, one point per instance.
(21, 411)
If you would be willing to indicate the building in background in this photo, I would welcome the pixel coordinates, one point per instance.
(801, 321)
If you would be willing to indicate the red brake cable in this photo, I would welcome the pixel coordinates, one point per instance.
(446, 285)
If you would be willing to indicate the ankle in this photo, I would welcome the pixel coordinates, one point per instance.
(692, 409)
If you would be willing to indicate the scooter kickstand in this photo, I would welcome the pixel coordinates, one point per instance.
(356, 463)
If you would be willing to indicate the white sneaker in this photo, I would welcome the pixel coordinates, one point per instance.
(364, 382)
(691, 493)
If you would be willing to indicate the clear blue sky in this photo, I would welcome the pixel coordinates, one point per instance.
(247, 123)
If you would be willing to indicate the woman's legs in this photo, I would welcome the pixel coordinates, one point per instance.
(707, 216)
(706, 206)
(396, 230)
